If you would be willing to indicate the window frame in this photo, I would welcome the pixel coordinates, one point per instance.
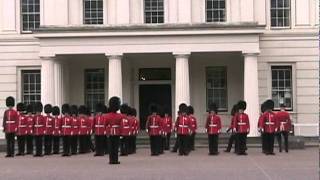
(20, 87)
(289, 17)
(84, 13)
(144, 12)
(225, 12)
(220, 109)
(21, 17)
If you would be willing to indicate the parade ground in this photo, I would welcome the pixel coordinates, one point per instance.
(296, 165)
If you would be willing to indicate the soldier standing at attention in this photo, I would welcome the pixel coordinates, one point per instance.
(232, 138)
(260, 123)
(213, 128)
(10, 121)
(30, 124)
(66, 129)
(182, 127)
(242, 127)
(284, 126)
(22, 129)
(193, 128)
(75, 129)
(153, 128)
(99, 131)
(48, 139)
(125, 130)
(56, 129)
(268, 125)
(83, 128)
(39, 129)
(167, 119)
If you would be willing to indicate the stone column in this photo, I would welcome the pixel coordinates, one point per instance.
(182, 85)
(251, 91)
(47, 80)
(115, 76)
(59, 86)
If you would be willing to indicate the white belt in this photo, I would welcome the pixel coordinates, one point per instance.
(126, 127)
(183, 126)
(10, 122)
(38, 125)
(22, 126)
(99, 126)
(283, 122)
(48, 126)
(154, 126)
(83, 127)
(115, 126)
(269, 123)
(66, 126)
(75, 126)
(241, 123)
(212, 125)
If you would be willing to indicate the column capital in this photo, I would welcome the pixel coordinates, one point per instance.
(47, 58)
(114, 55)
(250, 54)
(185, 55)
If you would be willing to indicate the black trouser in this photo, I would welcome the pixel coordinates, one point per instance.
(263, 142)
(124, 145)
(10, 143)
(162, 144)
(167, 145)
(285, 135)
(232, 139)
(82, 143)
(21, 144)
(56, 144)
(106, 145)
(176, 145)
(89, 143)
(114, 148)
(192, 140)
(66, 145)
(242, 142)
(48, 144)
(100, 143)
(134, 144)
(269, 143)
(39, 145)
(213, 143)
(183, 144)
(74, 144)
(29, 140)
(155, 145)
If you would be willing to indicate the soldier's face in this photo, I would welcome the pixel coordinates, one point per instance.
(241, 110)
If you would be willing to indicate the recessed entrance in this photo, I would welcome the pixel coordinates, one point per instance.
(159, 95)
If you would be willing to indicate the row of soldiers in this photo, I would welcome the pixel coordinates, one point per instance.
(75, 126)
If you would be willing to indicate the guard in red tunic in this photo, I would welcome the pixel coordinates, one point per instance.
(48, 138)
(75, 124)
(30, 124)
(134, 124)
(39, 129)
(213, 128)
(106, 136)
(113, 121)
(182, 127)
(10, 123)
(66, 129)
(284, 126)
(153, 128)
(125, 130)
(268, 125)
(57, 121)
(83, 129)
(22, 129)
(242, 127)
(232, 138)
(89, 144)
(193, 127)
(99, 131)
(167, 128)
(260, 122)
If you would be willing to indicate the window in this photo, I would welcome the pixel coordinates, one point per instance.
(153, 11)
(94, 87)
(282, 86)
(280, 13)
(30, 13)
(149, 74)
(215, 10)
(217, 87)
(31, 86)
(93, 11)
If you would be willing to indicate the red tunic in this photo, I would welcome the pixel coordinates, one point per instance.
(66, 126)
(268, 123)
(167, 124)
(135, 126)
(213, 124)
(183, 125)
(99, 125)
(91, 124)
(57, 121)
(131, 124)
(193, 124)
(22, 125)
(75, 125)
(241, 123)
(84, 125)
(49, 125)
(30, 124)
(154, 125)
(10, 121)
(284, 121)
(39, 125)
(113, 121)
(125, 126)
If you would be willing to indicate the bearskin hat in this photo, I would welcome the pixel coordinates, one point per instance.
(269, 104)
(263, 107)
(30, 108)
(153, 108)
(55, 111)
(74, 110)
(114, 104)
(104, 109)
(133, 112)
(82, 109)
(190, 110)
(99, 108)
(38, 107)
(48, 108)
(213, 107)
(242, 105)
(234, 110)
(21, 107)
(183, 108)
(65, 109)
(124, 109)
(10, 101)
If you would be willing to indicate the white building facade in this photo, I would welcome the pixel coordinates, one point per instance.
(164, 51)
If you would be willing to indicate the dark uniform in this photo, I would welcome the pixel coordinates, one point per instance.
(10, 120)
(48, 139)
(39, 129)
(213, 128)
(57, 121)
(22, 130)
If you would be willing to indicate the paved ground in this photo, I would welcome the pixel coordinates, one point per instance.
(297, 165)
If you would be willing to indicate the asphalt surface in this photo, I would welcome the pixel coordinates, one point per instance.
(295, 165)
